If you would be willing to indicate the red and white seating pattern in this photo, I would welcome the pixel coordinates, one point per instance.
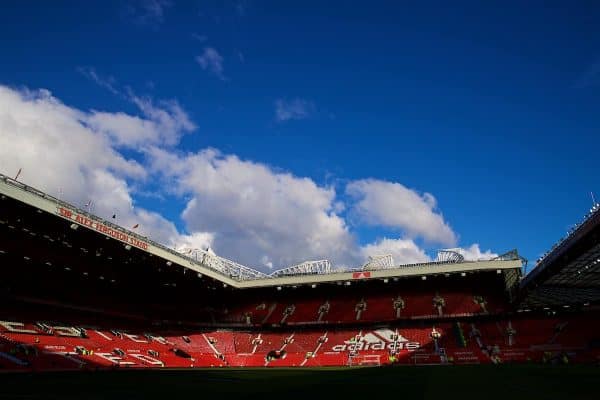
(35, 346)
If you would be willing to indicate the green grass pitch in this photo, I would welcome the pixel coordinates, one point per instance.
(481, 382)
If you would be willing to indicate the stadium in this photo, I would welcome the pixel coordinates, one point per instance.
(240, 199)
(84, 294)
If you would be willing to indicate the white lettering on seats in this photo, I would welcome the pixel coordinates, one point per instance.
(66, 331)
(147, 359)
(103, 335)
(114, 359)
(160, 339)
(16, 327)
(135, 338)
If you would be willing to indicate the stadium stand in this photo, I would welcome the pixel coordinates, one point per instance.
(33, 345)
(370, 304)
(82, 293)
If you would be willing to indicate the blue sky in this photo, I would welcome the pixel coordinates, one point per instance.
(492, 108)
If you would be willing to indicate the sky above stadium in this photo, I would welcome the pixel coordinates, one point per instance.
(278, 132)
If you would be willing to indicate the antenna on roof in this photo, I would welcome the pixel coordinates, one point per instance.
(593, 199)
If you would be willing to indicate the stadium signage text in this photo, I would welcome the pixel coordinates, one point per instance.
(100, 227)
(363, 346)
(381, 339)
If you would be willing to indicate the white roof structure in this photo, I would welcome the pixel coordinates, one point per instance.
(307, 267)
(379, 262)
(449, 255)
(223, 265)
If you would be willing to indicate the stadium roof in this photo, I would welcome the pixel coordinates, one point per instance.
(569, 273)
(239, 276)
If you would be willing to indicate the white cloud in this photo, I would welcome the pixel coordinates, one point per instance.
(246, 211)
(196, 240)
(286, 110)
(147, 12)
(170, 120)
(404, 251)
(210, 60)
(124, 129)
(257, 215)
(240, 56)
(108, 83)
(62, 153)
(200, 38)
(394, 205)
(161, 124)
(474, 253)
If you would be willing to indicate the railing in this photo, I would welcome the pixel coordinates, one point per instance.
(595, 210)
(95, 218)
